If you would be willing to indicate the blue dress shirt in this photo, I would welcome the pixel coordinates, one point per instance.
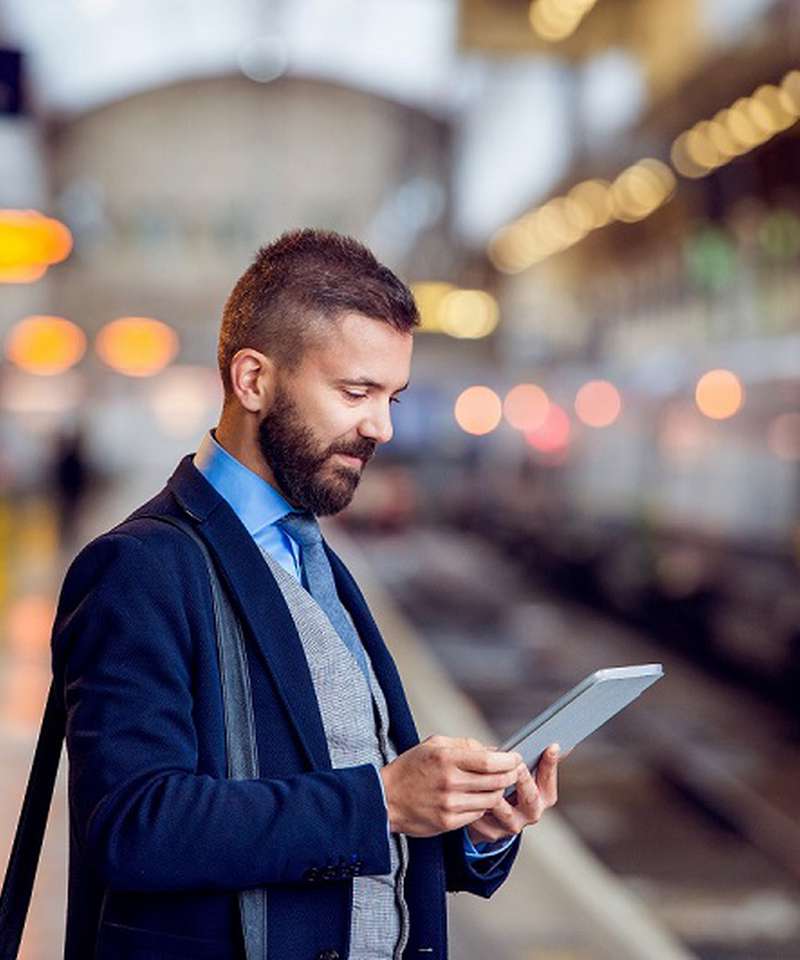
(259, 506)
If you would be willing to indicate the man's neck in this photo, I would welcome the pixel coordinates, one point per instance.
(233, 437)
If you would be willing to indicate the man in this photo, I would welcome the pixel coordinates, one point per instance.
(353, 829)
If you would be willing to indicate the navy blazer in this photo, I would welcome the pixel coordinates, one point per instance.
(160, 840)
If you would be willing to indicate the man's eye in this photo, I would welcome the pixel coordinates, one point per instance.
(394, 399)
(354, 396)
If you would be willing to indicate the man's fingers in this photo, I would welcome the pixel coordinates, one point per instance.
(481, 782)
(489, 828)
(547, 775)
(459, 743)
(473, 802)
(508, 817)
(485, 761)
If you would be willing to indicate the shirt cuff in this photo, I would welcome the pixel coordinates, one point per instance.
(485, 848)
(383, 794)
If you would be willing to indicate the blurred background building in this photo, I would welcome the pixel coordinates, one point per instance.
(597, 203)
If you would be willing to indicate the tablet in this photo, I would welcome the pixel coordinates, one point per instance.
(581, 711)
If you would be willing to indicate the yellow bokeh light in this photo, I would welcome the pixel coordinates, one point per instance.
(478, 410)
(598, 403)
(748, 123)
(741, 127)
(641, 189)
(45, 345)
(718, 134)
(551, 22)
(790, 88)
(761, 115)
(701, 148)
(469, 314)
(555, 20)
(137, 346)
(683, 163)
(428, 296)
(594, 195)
(778, 105)
(562, 222)
(719, 394)
(525, 406)
(515, 247)
(29, 242)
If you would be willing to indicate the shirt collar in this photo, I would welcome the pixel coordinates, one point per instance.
(256, 502)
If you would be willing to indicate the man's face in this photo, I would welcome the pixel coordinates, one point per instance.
(329, 415)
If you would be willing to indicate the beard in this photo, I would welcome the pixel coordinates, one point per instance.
(301, 469)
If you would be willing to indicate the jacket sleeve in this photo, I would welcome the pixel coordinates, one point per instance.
(122, 657)
(481, 876)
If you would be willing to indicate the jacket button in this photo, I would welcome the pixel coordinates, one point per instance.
(328, 955)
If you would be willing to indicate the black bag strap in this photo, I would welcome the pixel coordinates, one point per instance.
(242, 764)
(24, 859)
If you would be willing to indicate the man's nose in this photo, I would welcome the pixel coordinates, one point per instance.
(378, 425)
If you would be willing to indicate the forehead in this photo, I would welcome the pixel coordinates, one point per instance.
(358, 346)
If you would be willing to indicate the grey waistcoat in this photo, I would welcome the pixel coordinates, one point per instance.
(355, 720)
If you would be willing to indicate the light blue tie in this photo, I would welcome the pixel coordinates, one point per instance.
(304, 530)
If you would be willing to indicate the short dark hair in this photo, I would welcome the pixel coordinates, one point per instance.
(296, 285)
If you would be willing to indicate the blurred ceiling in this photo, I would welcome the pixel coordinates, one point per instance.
(84, 52)
(522, 107)
(429, 53)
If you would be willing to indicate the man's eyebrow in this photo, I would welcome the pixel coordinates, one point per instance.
(367, 382)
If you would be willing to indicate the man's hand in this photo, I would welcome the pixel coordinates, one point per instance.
(534, 796)
(444, 783)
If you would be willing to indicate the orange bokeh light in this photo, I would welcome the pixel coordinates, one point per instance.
(478, 410)
(137, 346)
(45, 345)
(598, 403)
(553, 435)
(22, 274)
(525, 406)
(719, 394)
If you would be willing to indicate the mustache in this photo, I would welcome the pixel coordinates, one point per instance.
(363, 450)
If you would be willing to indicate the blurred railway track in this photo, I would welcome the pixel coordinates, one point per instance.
(691, 795)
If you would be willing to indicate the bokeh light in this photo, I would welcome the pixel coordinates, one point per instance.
(136, 346)
(555, 20)
(746, 124)
(468, 314)
(428, 295)
(552, 436)
(525, 406)
(478, 410)
(45, 345)
(598, 403)
(561, 222)
(29, 243)
(719, 394)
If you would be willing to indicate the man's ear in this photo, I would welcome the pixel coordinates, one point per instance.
(253, 377)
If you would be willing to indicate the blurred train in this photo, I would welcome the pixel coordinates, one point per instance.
(685, 526)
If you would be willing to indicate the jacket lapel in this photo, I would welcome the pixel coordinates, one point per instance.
(402, 728)
(259, 601)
